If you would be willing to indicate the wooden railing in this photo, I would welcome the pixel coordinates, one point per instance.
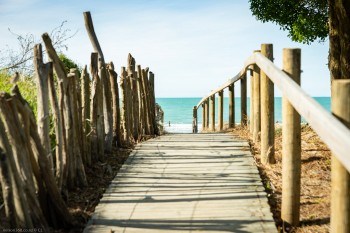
(332, 128)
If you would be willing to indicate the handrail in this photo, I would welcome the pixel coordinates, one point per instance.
(336, 136)
(223, 86)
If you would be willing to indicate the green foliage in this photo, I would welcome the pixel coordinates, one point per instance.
(68, 63)
(26, 85)
(306, 21)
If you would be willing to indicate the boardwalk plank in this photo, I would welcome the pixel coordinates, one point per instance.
(186, 183)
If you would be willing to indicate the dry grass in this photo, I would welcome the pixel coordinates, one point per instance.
(315, 180)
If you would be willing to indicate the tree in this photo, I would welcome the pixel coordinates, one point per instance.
(21, 59)
(311, 20)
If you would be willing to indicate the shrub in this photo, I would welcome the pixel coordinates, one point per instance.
(26, 85)
(69, 63)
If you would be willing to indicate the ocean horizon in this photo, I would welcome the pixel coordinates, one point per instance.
(178, 111)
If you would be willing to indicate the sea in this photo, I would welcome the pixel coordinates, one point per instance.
(178, 111)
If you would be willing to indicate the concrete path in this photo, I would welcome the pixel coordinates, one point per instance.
(186, 183)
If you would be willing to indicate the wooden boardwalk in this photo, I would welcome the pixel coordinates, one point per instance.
(186, 183)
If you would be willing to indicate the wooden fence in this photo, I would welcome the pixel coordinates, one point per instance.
(333, 128)
(88, 120)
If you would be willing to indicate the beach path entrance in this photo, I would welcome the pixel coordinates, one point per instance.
(186, 183)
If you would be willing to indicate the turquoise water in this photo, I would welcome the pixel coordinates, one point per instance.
(178, 111)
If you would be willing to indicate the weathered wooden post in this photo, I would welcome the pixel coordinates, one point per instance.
(203, 116)
(22, 215)
(153, 102)
(7, 185)
(124, 107)
(42, 74)
(340, 201)
(221, 110)
(139, 106)
(145, 85)
(195, 120)
(231, 106)
(267, 112)
(113, 79)
(256, 102)
(79, 125)
(207, 113)
(65, 114)
(77, 163)
(61, 156)
(133, 97)
(244, 100)
(212, 112)
(97, 122)
(149, 101)
(135, 89)
(85, 113)
(142, 110)
(145, 103)
(107, 107)
(129, 107)
(251, 110)
(291, 145)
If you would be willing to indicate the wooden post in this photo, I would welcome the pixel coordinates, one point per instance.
(132, 97)
(78, 165)
(124, 107)
(22, 215)
(97, 122)
(291, 145)
(113, 78)
(136, 103)
(79, 125)
(145, 85)
(42, 74)
(149, 100)
(207, 113)
(195, 120)
(267, 112)
(107, 107)
(61, 156)
(212, 113)
(128, 107)
(244, 100)
(221, 110)
(7, 187)
(153, 102)
(85, 113)
(231, 105)
(143, 110)
(203, 116)
(251, 107)
(340, 201)
(256, 102)
(63, 101)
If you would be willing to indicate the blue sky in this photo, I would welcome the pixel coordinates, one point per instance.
(192, 46)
